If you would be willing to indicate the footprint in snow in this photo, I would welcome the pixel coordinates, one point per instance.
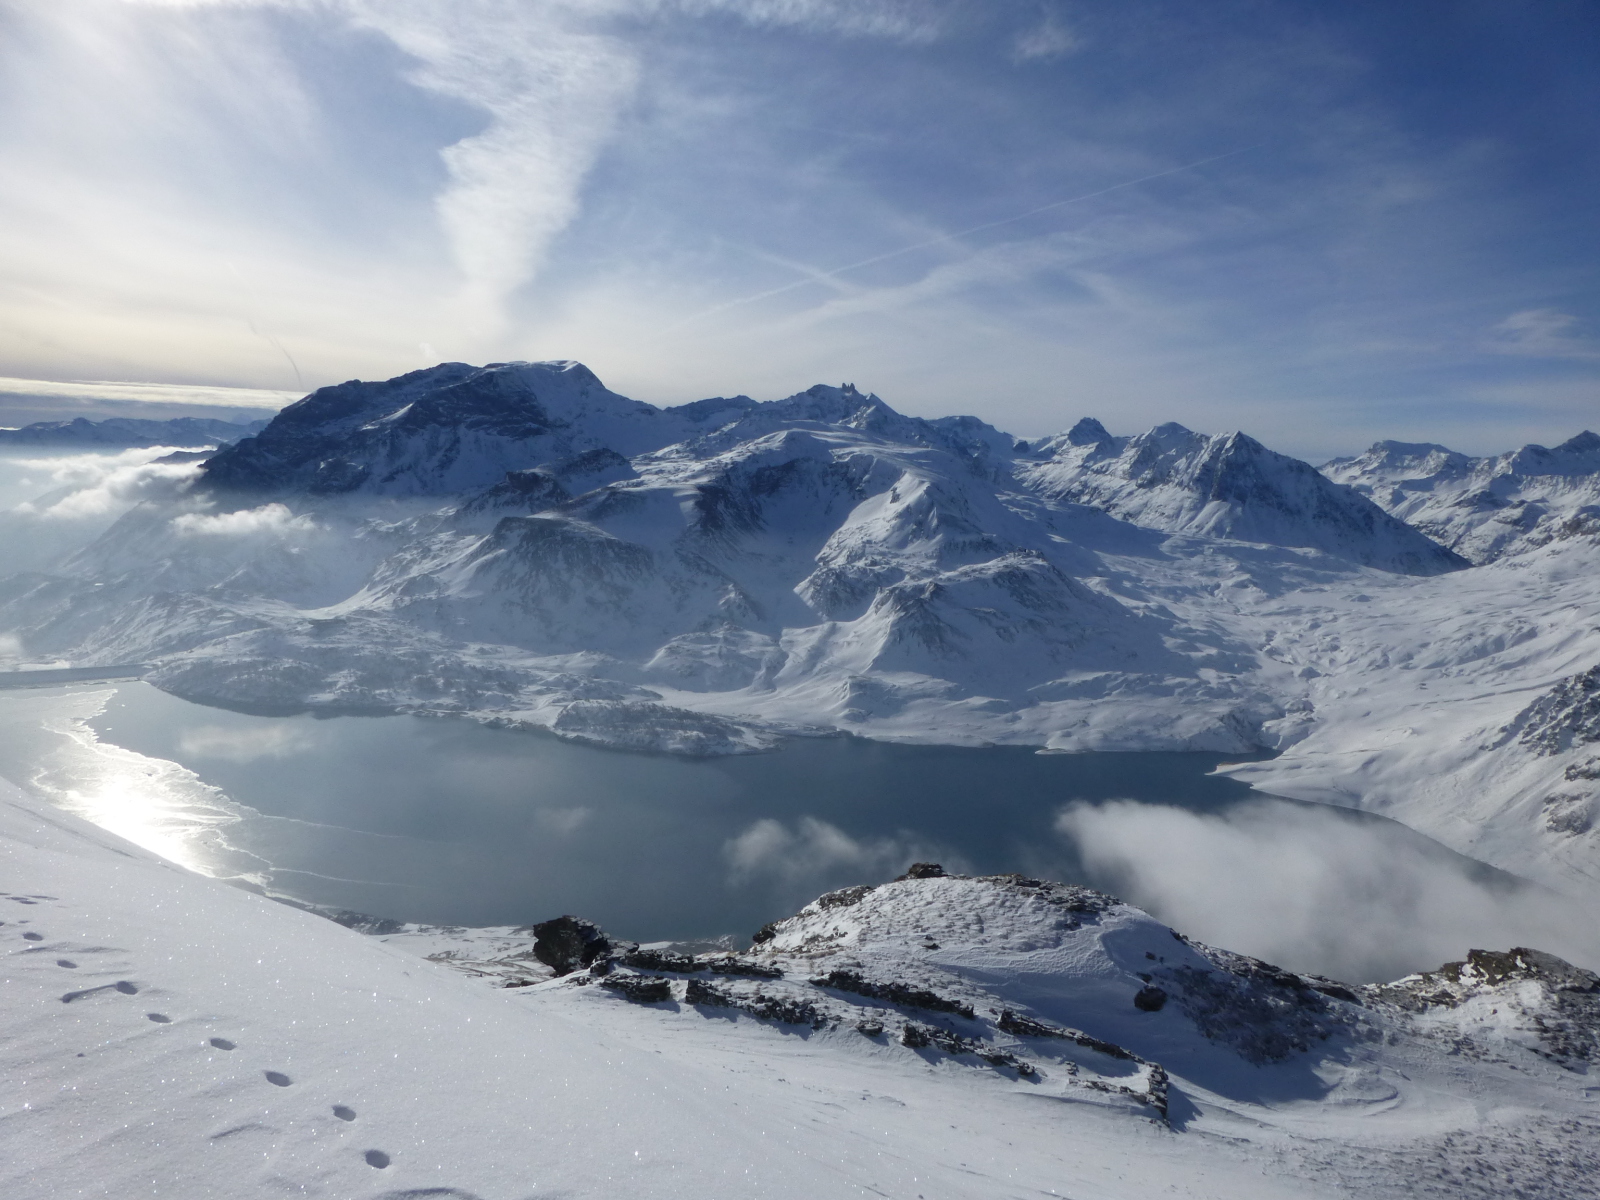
(33, 937)
(122, 985)
(159, 1018)
(223, 1044)
(377, 1158)
(66, 962)
(278, 1078)
(344, 1113)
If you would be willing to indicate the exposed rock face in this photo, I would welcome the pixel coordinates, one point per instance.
(1228, 485)
(912, 989)
(446, 429)
(1150, 999)
(568, 944)
(640, 989)
(1483, 508)
(1519, 995)
(1482, 970)
(896, 993)
(1567, 715)
(1264, 1013)
(1074, 996)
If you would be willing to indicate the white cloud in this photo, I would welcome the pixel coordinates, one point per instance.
(175, 169)
(279, 740)
(1316, 889)
(903, 20)
(555, 84)
(553, 92)
(148, 393)
(1047, 40)
(99, 485)
(271, 519)
(1542, 333)
(813, 850)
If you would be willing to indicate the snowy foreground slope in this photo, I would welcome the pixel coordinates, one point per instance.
(164, 1034)
(518, 544)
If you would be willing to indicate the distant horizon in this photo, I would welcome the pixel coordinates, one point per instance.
(1296, 220)
(109, 399)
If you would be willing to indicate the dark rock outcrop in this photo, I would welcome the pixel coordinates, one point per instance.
(892, 991)
(567, 944)
(1567, 715)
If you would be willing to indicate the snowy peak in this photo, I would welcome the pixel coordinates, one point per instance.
(842, 405)
(1483, 508)
(1391, 461)
(1227, 486)
(1089, 432)
(842, 409)
(1578, 455)
(441, 431)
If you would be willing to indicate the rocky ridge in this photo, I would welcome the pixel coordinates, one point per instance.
(129, 432)
(1228, 486)
(1056, 985)
(1483, 508)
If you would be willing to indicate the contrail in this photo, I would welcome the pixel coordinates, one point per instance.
(818, 276)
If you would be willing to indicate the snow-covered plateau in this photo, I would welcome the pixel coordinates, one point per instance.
(519, 545)
(937, 1036)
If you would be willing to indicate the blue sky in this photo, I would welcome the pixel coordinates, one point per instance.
(1320, 223)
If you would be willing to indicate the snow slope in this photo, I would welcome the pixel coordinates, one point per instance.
(520, 545)
(1483, 508)
(164, 1034)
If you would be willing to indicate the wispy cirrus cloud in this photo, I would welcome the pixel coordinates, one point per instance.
(1051, 38)
(1542, 333)
(278, 192)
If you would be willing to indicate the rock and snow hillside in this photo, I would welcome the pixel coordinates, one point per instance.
(1483, 508)
(82, 433)
(164, 1034)
(1228, 486)
(520, 545)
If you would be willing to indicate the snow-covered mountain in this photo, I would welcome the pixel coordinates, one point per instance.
(932, 1036)
(438, 432)
(1227, 486)
(518, 544)
(129, 432)
(1483, 508)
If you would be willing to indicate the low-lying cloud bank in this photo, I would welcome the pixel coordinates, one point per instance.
(1318, 888)
(814, 856)
(244, 522)
(51, 506)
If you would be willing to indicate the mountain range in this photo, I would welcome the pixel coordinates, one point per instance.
(180, 432)
(518, 544)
